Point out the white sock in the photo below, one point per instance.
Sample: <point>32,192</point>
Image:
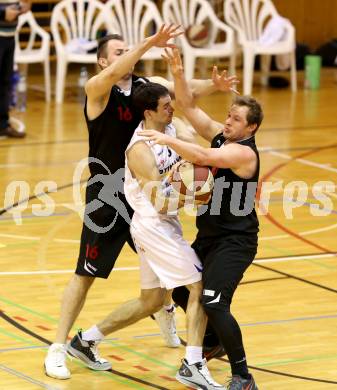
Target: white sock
<point>93,334</point>
<point>193,355</point>
<point>169,308</point>
<point>58,345</point>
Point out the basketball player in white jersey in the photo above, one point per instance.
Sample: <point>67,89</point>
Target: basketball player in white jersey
<point>166,259</point>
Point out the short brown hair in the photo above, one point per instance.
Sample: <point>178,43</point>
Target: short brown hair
<point>255,113</point>
<point>102,43</point>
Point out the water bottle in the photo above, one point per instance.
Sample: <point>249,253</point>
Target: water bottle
<point>21,94</point>
<point>83,78</point>
<point>14,82</point>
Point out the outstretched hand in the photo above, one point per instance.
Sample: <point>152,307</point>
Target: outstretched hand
<point>224,83</point>
<point>156,136</point>
<point>165,33</point>
<point>173,60</point>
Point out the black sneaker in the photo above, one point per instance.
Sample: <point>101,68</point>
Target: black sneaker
<point>213,352</point>
<point>87,352</point>
<point>239,383</point>
<point>197,376</point>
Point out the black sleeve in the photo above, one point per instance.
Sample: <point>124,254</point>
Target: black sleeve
<point>218,140</point>
<point>2,14</point>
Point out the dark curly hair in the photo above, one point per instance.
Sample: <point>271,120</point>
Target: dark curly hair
<point>147,95</point>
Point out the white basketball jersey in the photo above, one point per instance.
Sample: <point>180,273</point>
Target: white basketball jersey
<point>165,159</point>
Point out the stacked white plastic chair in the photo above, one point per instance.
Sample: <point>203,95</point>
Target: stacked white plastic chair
<point>71,21</point>
<point>30,54</point>
<point>250,19</point>
<point>196,12</point>
<point>134,20</point>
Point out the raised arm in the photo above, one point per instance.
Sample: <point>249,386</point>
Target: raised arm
<point>198,87</point>
<point>100,85</point>
<point>218,82</point>
<point>203,124</point>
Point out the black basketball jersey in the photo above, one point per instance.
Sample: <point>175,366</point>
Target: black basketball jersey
<point>111,132</point>
<point>231,208</point>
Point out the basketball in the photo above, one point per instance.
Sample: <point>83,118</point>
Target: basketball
<point>193,180</point>
<point>197,35</point>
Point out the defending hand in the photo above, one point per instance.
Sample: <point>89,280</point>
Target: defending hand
<point>173,60</point>
<point>224,83</point>
<point>165,33</point>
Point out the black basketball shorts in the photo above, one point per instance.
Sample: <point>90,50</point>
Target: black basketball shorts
<point>104,233</point>
<point>224,260</point>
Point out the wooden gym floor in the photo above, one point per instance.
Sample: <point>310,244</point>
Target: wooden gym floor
<point>286,303</point>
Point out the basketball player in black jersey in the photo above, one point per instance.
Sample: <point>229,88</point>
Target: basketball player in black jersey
<point>228,228</point>
<point>111,121</point>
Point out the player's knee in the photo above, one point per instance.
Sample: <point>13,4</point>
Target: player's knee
<point>213,306</point>
<point>82,282</point>
<point>151,307</point>
<point>152,302</point>
<point>195,290</point>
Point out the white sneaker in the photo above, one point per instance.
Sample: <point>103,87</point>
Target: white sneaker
<point>197,376</point>
<point>55,362</point>
<point>167,324</point>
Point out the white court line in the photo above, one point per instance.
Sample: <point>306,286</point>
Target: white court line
<point>29,238</point>
<point>268,260</point>
<point>63,271</point>
<point>273,237</point>
<point>267,238</point>
<point>281,236</point>
<point>13,165</point>
<point>34,238</point>
<point>279,154</point>
<point>324,229</point>
<point>66,240</point>
<point>291,258</point>
<point>326,167</point>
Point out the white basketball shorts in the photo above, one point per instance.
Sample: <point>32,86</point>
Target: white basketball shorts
<point>166,259</point>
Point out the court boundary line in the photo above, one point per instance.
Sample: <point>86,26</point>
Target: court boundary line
<point>307,378</point>
<point>279,225</point>
<point>117,269</point>
<point>48,342</point>
<point>80,140</point>
<point>27,378</point>
<point>137,380</point>
<point>269,215</point>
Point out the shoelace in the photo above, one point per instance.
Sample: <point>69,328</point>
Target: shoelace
<point>94,349</point>
<point>206,374</point>
<point>170,322</point>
